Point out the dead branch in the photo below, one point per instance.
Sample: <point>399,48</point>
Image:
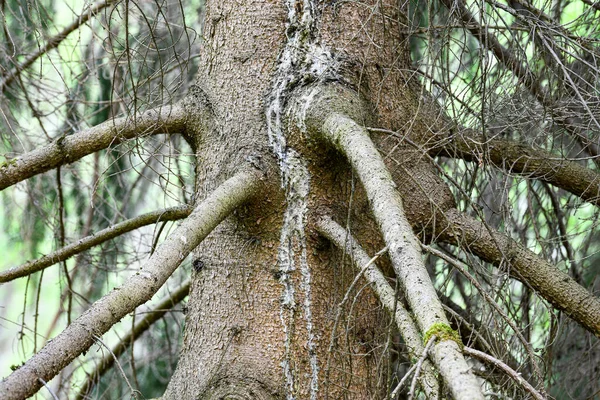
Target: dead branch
<point>67,149</point>
<point>142,326</point>
<point>332,112</point>
<point>554,285</point>
<point>522,159</point>
<point>508,370</point>
<point>404,321</point>
<point>62,254</point>
<point>53,42</point>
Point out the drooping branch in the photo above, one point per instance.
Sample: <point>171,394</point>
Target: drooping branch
<point>67,149</point>
<point>331,112</point>
<point>139,288</point>
<point>554,285</point>
<point>404,321</point>
<point>169,214</point>
<point>142,326</point>
<point>522,159</point>
<point>53,42</point>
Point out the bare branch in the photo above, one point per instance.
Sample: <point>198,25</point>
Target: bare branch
<point>517,158</point>
<point>554,285</point>
<point>332,112</point>
<point>505,56</point>
<point>493,304</point>
<point>142,326</point>
<point>53,42</point>
<point>134,393</point>
<point>169,214</point>
<point>67,149</point>
<point>139,288</point>
<point>420,365</point>
<point>508,370</point>
<point>404,321</point>
<point>54,396</point>
<point>522,159</point>
<point>595,5</point>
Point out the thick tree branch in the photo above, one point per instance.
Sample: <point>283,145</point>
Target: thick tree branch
<point>67,149</point>
<point>169,214</point>
<point>522,159</point>
<point>139,288</point>
<point>517,158</point>
<point>331,112</point>
<point>404,321</point>
<point>53,42</point>
<point>142,326</point>
<point>557,287</point>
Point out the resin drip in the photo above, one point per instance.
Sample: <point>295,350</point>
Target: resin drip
<point>301,62</point>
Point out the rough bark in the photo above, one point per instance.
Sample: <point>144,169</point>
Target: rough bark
<point>240,327</point>
<point>264,287</point>
<point>328,114</point>
<point>403,319</point>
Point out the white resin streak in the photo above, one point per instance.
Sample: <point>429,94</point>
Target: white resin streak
<point>301,62</point>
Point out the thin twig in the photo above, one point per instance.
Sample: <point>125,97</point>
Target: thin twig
<point>83,244</point>
<point>419,365</point>
<point>54,396</point>
<point>417,368</point>
<point>134,392</point>
<point>492,303</point>
<point>53,42</point>
<point>508,370</point>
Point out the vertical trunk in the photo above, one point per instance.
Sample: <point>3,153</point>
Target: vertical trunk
<point>247,334</point>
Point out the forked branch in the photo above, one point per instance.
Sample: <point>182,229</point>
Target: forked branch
<point>138,289</point>
<point>67,149</point>
<point>332,112</point>
<point>169,214</point>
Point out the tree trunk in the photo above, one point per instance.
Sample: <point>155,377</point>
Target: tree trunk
<point>243,338</point>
